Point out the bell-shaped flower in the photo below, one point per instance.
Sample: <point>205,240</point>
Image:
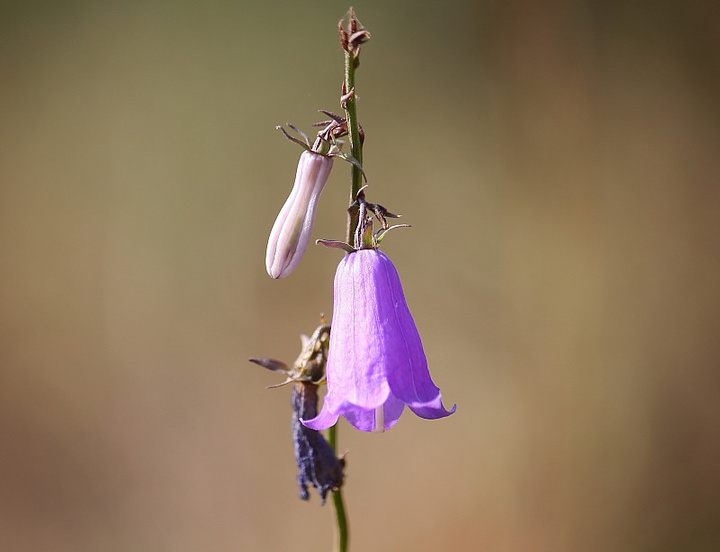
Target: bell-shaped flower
<point>376,363</point>
<point>292,230</point>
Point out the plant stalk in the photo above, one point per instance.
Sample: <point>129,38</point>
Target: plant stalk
<point>353,128</point>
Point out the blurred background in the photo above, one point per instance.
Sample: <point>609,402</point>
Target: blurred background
<point>559,164</point>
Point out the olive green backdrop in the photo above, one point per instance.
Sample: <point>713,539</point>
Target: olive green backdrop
<point>559,164</point>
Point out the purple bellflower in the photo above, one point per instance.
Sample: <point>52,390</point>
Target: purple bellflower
<point>376,363</point>
<point>292,230</point>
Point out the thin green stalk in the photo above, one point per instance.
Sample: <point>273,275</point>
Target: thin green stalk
<point>332,437</point>
<point>342,533</point>
<point>353,127</point>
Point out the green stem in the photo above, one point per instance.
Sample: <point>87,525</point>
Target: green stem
<point>342,534</point>
<point>351,63</point>
<point>332,437</point>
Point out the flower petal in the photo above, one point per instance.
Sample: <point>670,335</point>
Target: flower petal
<point>368,419</point>
<point>327,418</point>
<point>410,379</point>
<point>356,367</point>
<point>431,410</point>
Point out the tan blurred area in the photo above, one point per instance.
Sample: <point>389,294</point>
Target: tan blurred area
<point>559,165</point>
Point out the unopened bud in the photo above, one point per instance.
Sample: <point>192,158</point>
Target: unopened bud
<point>292,230</point>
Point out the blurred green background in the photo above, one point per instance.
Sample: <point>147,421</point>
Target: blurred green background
<point>559,164</point>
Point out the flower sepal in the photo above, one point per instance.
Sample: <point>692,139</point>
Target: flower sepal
<point>365,237</point>
<point>336,244</point>
<point>310,364</point>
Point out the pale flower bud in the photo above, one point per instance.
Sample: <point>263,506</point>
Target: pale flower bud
<point>292,230</point>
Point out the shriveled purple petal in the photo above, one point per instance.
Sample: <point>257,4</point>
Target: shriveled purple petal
<point>376,362</point>
<point>292,230</point>
<point>318,466</point>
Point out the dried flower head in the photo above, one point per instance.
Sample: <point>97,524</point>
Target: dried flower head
<point>318,466</point>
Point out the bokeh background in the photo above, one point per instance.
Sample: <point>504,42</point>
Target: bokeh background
<point>559,164</point>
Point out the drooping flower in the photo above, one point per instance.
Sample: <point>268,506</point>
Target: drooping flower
<point>292,230</point>
<point>376,362</point>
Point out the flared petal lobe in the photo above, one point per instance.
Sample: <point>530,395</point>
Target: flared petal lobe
<point>292,230</point>
<point>376,362</point>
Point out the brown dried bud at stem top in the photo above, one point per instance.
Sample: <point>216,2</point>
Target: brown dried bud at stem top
<point>352,33</point>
